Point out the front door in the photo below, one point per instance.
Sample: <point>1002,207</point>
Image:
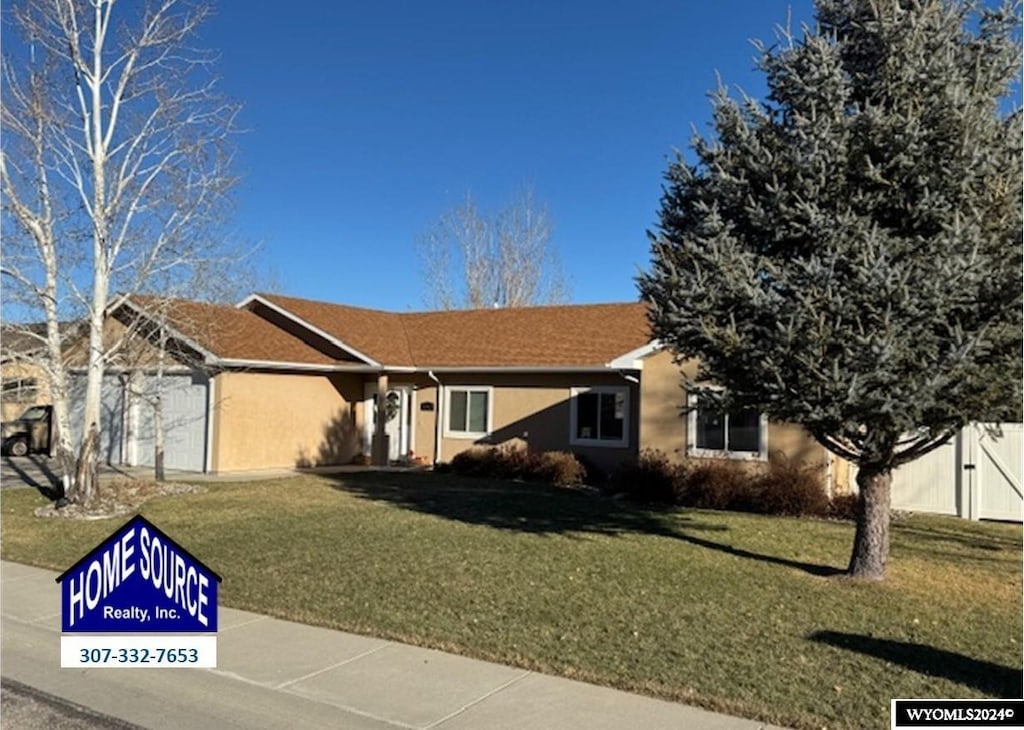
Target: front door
<point>397,408</point>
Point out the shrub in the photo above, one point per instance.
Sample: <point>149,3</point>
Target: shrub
<point>553,467</point>
<point>650,478</point>
<point>594,475</point>
<point>723,485</point>
<point>787,489</point>
<point>559,468</point>
<point>843,507</point>
<point>476,462</point>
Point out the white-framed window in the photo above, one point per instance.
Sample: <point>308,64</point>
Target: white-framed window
<point>741,434</point>
<point>468,410</point>
<point>599,416</point>
<point>20,390</point>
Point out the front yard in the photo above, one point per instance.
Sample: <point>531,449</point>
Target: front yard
<point>737,613</point>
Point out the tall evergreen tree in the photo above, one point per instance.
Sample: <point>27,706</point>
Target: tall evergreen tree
<point>846,254</point>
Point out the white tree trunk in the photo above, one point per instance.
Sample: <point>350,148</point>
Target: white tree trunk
<point>116,157</point>
<point>158,411</point>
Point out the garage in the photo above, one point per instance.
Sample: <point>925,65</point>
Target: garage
<point>112,404</point>
<point>185,418</point>
<point>127,418</point>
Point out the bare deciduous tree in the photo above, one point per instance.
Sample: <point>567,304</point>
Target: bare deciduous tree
<point>473,260</point>
<point>114,168</point>
<point>147,349</point>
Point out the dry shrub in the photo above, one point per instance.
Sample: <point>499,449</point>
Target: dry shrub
<point>552,467</point>
<point>650,478</point>
<point>475,462</point>
<point>787,489</point>
<point>593,474</point>
<point>781,489</point>
<point>723,485</point>
<point>559,468</point>
<point>843,507</point>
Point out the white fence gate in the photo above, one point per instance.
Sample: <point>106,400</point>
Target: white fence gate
<point>976,475</point>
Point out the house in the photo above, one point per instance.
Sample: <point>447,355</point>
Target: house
<point>282,382</point>
<point>23,378</point>
<point>23,382</point>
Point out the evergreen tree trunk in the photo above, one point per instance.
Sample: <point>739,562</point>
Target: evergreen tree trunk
<point>871,543</point>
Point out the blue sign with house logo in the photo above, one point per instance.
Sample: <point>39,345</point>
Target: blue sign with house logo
<point>138,580</point>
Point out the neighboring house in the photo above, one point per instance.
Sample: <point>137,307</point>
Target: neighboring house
<point>23,379</point>
<point>283,382</point>
<point>22,382</point>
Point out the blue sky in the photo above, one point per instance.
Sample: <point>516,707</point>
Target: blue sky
<point>367,120</point>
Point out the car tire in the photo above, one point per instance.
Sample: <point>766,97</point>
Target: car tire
<point>18,447</point>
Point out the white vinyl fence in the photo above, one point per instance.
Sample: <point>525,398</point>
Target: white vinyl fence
<point>976,475</point>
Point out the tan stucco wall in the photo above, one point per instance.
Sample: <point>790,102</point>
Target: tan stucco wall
<point>265,420</point>
<point>662,422</point>
<point>531,407</point>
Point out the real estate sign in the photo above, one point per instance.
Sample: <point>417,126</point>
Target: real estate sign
<point>143,586</point>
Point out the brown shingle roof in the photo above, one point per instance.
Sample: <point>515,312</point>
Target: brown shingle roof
<point>376,334</point>
<point>549,336</point>
<point>232,333</point>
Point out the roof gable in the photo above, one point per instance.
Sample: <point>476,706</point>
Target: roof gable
<point>230,333</point>
<point>354,330</point>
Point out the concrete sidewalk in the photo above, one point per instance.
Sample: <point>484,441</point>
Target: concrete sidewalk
<point>279,674</point>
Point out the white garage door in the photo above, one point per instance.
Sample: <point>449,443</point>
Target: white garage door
<point>184,398</point>
<point>111,415</point>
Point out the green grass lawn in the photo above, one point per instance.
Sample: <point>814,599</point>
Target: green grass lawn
<point>738,613</point>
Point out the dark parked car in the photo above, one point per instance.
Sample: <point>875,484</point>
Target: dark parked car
<point>29,434</point>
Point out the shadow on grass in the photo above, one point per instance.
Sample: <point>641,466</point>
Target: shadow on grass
<point>541,509</point>
<point>967,537</point>
<point>987,677</point>
<point>51,488</point>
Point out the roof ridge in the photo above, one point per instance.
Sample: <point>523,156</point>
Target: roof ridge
<point>531,307</point>
<point>321,302</point>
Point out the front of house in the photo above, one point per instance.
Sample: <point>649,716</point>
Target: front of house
<point>280,382</point>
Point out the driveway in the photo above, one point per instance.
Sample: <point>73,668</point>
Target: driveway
<point>38,471</point>
<point>43,473</point>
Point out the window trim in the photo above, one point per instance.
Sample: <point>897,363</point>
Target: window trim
<point>691,438</point>
<point>23,389</point>
<point>622,443</point>
<point>475,435</point>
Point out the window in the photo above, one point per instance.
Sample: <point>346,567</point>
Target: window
<point>469,412</point>
<point>599,416</point>
<point>737,434</point>
<point>23,390</point>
